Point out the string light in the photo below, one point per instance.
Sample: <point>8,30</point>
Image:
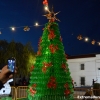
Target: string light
<point>99,43</point>
<point>13,28</point>
<point>46,8</point>
<point>25,28</point>
<point>36,24</point>
<point>86,39</point>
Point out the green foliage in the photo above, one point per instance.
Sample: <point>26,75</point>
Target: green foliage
<point>3,50</point>
<point>24,54</point>
<point>28,58</point>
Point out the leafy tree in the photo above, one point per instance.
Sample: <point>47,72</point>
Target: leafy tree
<point>24,55</point>
<point>28,59</point>
<point>11,51</point>
<point>3,50</point>
<point>31,56</point>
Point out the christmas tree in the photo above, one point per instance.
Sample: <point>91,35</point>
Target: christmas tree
<point>50,77</point>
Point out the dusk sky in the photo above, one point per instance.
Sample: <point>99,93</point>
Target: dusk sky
<point>76,16</point>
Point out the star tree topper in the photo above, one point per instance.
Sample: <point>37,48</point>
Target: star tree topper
<point>51,15</point>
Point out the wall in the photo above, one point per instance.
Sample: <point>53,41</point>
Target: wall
<point>90,72</point>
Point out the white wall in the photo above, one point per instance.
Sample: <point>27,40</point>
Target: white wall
<point>91,69</point>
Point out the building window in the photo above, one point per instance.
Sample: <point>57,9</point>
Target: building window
<point>82,80</point>
<point>98,68</point>
<point>82,66</point>
<point>98,71</point>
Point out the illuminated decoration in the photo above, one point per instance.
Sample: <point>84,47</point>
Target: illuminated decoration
<point>45,2</point>
<point>13,28</point>
<point>67,92</point>
<point>46,8</point>
<point>38,53</point>
<point>64,67</point>
<point>51,15</point>
<point>51,35</point>
<point>36,24</point>
<point>93,42</point>
<point>32,67</point>
<point>26,28</point>
<point>86,39</point>
<point>66,85</point>
<point>79,37</point>
<point>52,82</point>
<point>53,48</point>
<point>51,70</point>
<point>32,90</point>
<point>46,65</point>
<point>99,43</point>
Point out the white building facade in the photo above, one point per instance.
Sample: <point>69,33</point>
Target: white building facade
<point>84,69</point>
